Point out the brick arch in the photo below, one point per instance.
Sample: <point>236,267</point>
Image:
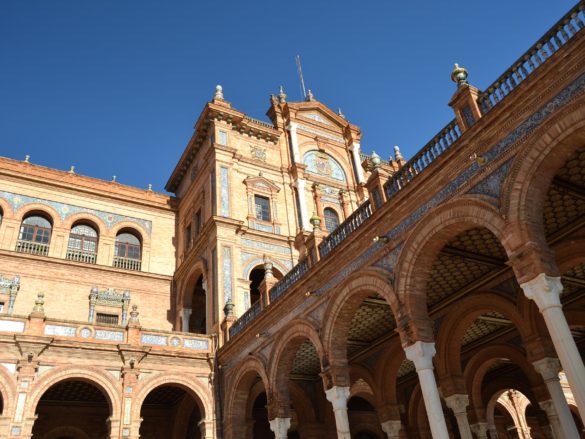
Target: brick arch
<point>25,209</point>
<point>534,168</point>
<point>8,391</point>
<point>424,244</point>
<point>304,406</point>
<point>237,394</point>
<point>342,307</point>
<point>283,353</point>
<point>458,320</point>
<point>368,391</point>
<point>258,262</point>
<point>109,386</point>
<point>570,253</point>
<point>387,373</point>
<point>135,227</point>
<point>199,268</point>
<point>66,431</point>
<point>7,211</point>
<point>478,365</point>
<point>189,383</point>
<point>94,220</point>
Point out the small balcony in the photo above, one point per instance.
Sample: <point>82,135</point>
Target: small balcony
<point>127,263</point>
<point>81,256</point>
<point>32,248</point>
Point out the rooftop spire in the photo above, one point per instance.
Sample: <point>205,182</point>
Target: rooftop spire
<point>282,95</point>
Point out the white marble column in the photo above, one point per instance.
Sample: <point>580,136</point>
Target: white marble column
<point>279,427</point>
<point>300,185</point>
<point>338,397</point>
<point>294,142</point>
<point>421,354</point>
<point>392,429</point>
<point>185,318</point>
<point>545,291</point>
<point>458,403</point>
<point>355,149</point>
<point>480,430</point>
<point>557,409</point>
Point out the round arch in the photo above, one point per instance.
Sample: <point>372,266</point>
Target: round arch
<point>7,210</point>
<point>428,238</point>
<point>82,217</point>
<point>8,391</point>
<point>67,431</point>
<point>387,374</point>
<point>258,262</point>
<point>188,383</point>
<point>284,351</point>
<point>40,208</point>
<point>461,316</point>
<point>342,307</point>
<point>130,226</point>
<point>199,268</point>
<point>91,375</point>
<point>310,149</point>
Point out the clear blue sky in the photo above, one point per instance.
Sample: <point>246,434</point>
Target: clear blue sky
<point>115,86</point>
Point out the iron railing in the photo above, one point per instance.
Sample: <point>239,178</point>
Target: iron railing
<point>245,318</point>
<point>289,279</point>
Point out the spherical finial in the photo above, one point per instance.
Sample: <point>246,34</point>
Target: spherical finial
<point>376,160</point>
<point>315,220</point>
<point>218,92</point>
<point>228,309</point>
<point>282,95</point>
<point>459,75</point>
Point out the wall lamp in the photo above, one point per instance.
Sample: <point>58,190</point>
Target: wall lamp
<point>381,238</point>
<point>263,334</point>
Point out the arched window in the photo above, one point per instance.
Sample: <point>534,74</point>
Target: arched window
<point>128,251</point>
<point>82,247</point>
<point>331,219</point>
<point>35,235</point>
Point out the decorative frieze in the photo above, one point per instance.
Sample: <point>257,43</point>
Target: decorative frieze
<point>9,288</point>
<point>108,298</point>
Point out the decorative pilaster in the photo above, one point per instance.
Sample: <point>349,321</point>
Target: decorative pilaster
<point>545,291</point>
<point>300,185</point>
<point>294,142</point>
<point>392,428</point>
<point>421,354</point>
<point>355,152</point>
<point>459,403</point>
<point>338,397</point>
<point>279,427</point>
<point>557,410</point>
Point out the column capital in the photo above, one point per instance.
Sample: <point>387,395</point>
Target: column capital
<point>421,354</point>
<point>338,396</point>
<point>355,147</point>
<point>279,427</point>
<point>458,403</point>
<point>392,428</point>
<point>480,430</point>
<point>549,407</point>
<point>292,126</point>
<point>549,368</point>
<point>545,290</point>
<point>299,184</point>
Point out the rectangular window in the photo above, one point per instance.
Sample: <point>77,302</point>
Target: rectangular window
<point>223,140</point>
<point>262,206</point>
<point>110,319</point>
<point>188,237</point>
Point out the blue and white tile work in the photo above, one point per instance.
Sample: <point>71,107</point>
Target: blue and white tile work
<point>65,210</point>
<point>224,191</point>
<point>227,273</point>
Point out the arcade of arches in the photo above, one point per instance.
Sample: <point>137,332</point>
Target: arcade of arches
<point>472,327</point>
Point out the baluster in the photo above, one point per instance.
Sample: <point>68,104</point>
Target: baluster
<point>571,27</point>
<point>564,34</point>
<point>578,22</point>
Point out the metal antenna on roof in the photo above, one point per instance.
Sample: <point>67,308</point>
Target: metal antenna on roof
<point>300,72</point>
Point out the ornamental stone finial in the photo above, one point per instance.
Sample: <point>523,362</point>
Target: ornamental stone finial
<point>339,113</point>
<point>397,153</point>
<point>315,220</point>
<point>218,92</point>
<point>282,95</point>
<point>134,314</point>
<point>376,160</point>
<point>310,96</point>
<point>228,309</point>
<point>72,169</point>
<point>40,303</point>
<point>459,75</point>
<point>27,158</point>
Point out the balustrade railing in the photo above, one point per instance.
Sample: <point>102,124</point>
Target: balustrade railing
<point>544,48</point>
<point>427,155</point>
<point>345,229</point>
<point>32,248</point>
<point>259,122</point>
<point>245,318</point>
<point>81,256</point>
<point>127,263</point>
<point>290,278</point>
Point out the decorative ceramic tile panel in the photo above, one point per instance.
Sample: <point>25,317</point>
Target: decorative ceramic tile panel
<point>227,273</point>
<point>265,246</point>
<point>62,331</point>
<point>160,340</point>
<point>201,345</point>
<point>320,133</point>
<point>323,164</point>
<point>224,191</point>
<point>101,334</point>
<point>66,210</point>
<point>11,326</point>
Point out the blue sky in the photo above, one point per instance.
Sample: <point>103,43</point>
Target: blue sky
<point>114,87</point>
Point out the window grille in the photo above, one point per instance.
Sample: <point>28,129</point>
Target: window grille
<point>331,219</point>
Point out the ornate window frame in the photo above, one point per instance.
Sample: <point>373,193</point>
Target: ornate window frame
<point>265,188</point>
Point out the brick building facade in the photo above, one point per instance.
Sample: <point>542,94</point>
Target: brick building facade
<point>293,287</point>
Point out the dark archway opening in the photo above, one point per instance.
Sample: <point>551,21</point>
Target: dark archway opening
<point>256,278</point>
<point>75,405</point>
<point>170,412</point>
<point>260,418</point>
<point>198,318</point>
